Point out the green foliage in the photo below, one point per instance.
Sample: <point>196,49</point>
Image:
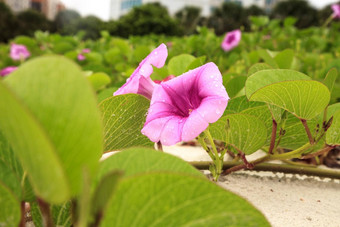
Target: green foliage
<point>124,117</point>
<point>58,125</point>
<point>142,201</point>
<point>244,132</point>
<point>10,214</point>
<point>179,64</point>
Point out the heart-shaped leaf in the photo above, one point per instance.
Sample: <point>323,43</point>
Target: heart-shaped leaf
<point>246,132</point>
<point>124,117</point>
<point>27,137</point>
<point>303,98</point>
<point>264,78</point>
<point>179,64</point>
<point>333,133</point>
<point>148,160</point>
<point>62,101</point>
<point>167,199</point>
<point>285,58</point>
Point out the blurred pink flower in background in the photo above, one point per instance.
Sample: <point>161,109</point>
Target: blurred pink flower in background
<point>86,51</point>
<point>165,79</point>
<point>183,107</point>
<point>7,70</point>
<point>231,40</point>
<point>19,52</point>
<point>140,81</point>
<point>336,11</point>
<point>81,57</point>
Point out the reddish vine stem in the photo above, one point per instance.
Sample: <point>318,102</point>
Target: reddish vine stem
<point>273,137</point>
<point>45,212</point>
<point>159,146</point>
<point>322,151</point>
<point>310,137</point>
<point>23,214</point>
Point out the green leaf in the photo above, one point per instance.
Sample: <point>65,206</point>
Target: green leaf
<point>103,192</point>
<point>99,80</point>
<point>139,160</point>
<point>258,67</point>
<point>235,85</point>
<point>10,207</point>
<point>124,117</point>
<point>196,63</point>
<point>285,58</point>
<point>164,199</point>
<point>178,64</point>
<point>246,132</point>
<point>259,20</point>
<point>264,78</point>
<point>27,137</point>
<point>265,55</point>
<point>333,133</point>
<point>303,98</point>
<point>239,104</point>
<point>56,92</point>
<point>9,179</point>
<point>61,214</point>
<point>331,78</point>
<point>106,93</point>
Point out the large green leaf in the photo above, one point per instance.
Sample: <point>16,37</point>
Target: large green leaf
<point>264,78</point>
<point>138,160</point>
<point>235,85</point>
<point>239,104</point>
<point>59,96</point>
<point>331,78</point>
<point>285,59</point>
<point>246,132</point>
<point>303,98</point>
<point>167,199</point>
<point>124,117</point>
<point>258,67</point>
<point>10,208</point>
<point>333,133</point>
<point>27,137</point>
<point>179,64</point>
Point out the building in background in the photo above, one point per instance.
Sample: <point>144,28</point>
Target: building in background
<point>121,7</point>
<point>49,8</point>
<point>18,5</point>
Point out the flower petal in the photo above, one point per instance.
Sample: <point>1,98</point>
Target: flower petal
<point>140,82</point>
<point>194,125</point>
<point>172,131</point>
<point>212,108</point>
<point>154,128</point>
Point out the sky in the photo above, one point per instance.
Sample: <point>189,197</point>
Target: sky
<point>101,8</point>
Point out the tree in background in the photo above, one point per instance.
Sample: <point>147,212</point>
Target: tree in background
<point>189,17</point>
<point>151,18</point>
<point>64,18</point>
<point>31,20</point>
<point>307,15</point>
<point>8,23</point>
<point>90,25</point>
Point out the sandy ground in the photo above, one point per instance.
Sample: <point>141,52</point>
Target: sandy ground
<point>287,200</point>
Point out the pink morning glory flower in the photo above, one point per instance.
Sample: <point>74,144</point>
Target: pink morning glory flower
<point>231,40</point>
<point>7,70</point>
<point>140,81</point>
<point>19,52</point>
<point>86,51</point>
<point>183,107</point>
<point>81,57</point>
<point>336,10</point>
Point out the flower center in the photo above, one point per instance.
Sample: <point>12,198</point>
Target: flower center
<point>231,38</point>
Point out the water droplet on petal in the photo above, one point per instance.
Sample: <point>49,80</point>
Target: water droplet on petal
<point>181,120</point>
<point>218,111</point>
<point>156,52</point>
